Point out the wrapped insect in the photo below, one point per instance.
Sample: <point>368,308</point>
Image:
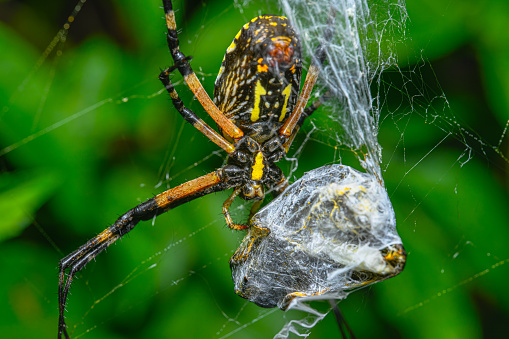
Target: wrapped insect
<point>330,232</point>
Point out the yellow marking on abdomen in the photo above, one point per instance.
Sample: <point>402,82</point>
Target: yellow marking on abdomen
<point>286,93</point>
<point>232,46</point>
<point>258,167</point>
<point>279,38</point>
<point>259,91</point>
<point>238,34</point>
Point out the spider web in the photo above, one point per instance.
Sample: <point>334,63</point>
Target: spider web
<point>87,132</point>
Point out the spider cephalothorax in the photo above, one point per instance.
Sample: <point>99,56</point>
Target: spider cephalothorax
<point>252,166</point>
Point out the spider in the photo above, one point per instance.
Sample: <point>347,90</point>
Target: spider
<point>258,110</point>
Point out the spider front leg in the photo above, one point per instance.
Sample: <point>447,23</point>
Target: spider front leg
<point>182,64</point>
<point>306,114</point>
<point>226,211</point>
<point>190,116</point>
<point>77,260</point>
<point>287,130</point>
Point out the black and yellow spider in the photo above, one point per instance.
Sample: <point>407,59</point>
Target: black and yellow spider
<point>258,109</point>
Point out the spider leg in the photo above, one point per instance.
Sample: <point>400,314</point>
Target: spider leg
<point>226,211</point>
<point>190,77</point>
<point>307,112</point>
<point>77,260</point>
<point>191,117</point>
<point>287,129</point>
<point>341,321</point>
<point>254,208</point>
<point>314,70</point>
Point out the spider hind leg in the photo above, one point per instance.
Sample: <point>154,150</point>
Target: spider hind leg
<point>77,260</point>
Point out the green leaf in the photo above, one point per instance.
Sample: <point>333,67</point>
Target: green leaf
<point>21,197</point>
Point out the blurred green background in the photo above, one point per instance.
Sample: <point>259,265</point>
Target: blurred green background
<point>86,133</point>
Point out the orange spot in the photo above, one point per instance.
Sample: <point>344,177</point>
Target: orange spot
<point>263,68</point>
<point>281,50</point>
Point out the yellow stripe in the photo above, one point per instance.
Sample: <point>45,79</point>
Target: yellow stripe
<point>286,93</point>
<point>259,91</point>
<point>285,38</point>
<point>258,167</point>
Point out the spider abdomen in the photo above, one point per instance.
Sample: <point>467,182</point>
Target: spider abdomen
<point>259,79</point>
